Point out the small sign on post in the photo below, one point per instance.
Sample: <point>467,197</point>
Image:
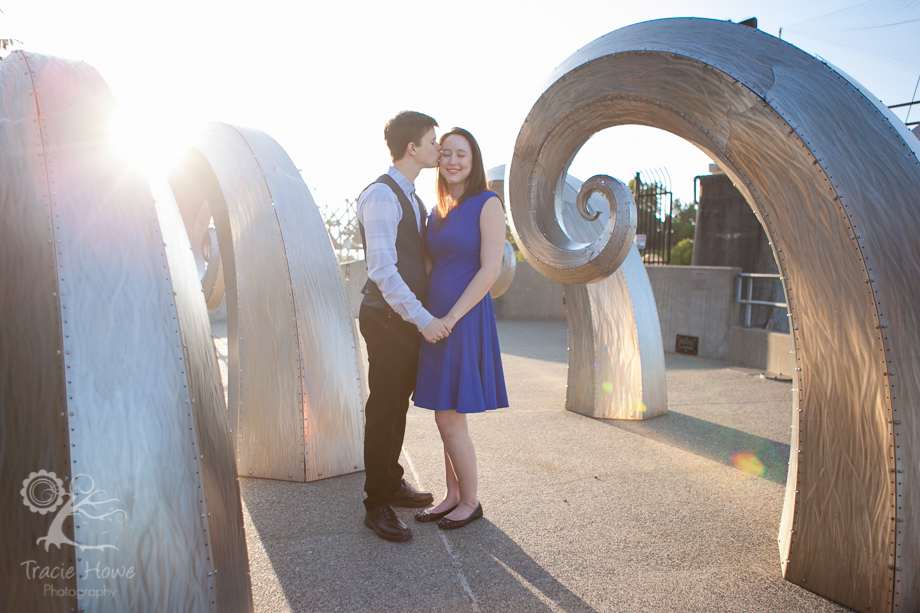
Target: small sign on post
<point>640,241</point>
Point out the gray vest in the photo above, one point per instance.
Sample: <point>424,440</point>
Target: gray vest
<point>410,250</point>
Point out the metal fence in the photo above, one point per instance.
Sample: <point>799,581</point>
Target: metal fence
<point>655,206</point>
<point>342,225</point>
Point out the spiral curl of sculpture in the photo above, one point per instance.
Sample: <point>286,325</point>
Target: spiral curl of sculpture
<point>538,177</point>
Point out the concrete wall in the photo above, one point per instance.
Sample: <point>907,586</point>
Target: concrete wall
<point>531,296</point>
<point>691,300</point>
<point>354,275</point>
<point>763,349</point>
<point>728,233</point>
<point>695,301</point>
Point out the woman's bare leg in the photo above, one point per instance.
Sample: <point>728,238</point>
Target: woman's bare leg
<point>453,488</point>
<point>461,455</point>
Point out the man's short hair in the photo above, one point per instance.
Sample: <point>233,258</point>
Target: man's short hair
<point>407,127</point>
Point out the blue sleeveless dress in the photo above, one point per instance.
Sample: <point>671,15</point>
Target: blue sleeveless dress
<point>462,372</point>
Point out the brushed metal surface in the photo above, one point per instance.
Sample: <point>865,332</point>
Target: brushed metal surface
<point>219,491</point>
<point>616,357</point>
<point>212,277</point>
<point>566,212</point>
<point>33,388</point>
<point>203,239</point>
<point>537,179</point>
<point>571,220</point>
<point>135,492</point>
<point>495,181</point>
<point>197,221</point>
<point>333,408</point>
<point>295,386</point>
<point>506,274</point>
<point>833,177</point>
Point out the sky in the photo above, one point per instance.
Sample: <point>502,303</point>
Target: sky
<point>322,78</point>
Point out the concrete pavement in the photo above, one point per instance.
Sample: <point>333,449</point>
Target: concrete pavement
<point>580,514</point>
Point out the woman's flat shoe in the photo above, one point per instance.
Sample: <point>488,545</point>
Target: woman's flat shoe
<point>453,524</point>
<point>426,516</point>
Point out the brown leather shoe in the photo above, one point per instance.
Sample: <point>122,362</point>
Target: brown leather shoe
<point>383,521</point>
<point>408,496</point>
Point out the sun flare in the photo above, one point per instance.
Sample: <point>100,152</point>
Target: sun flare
<point>151,144</point>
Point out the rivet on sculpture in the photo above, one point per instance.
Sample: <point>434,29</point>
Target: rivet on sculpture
<point>294,401</point>
<point>113,433</point>
<point>833,177</point>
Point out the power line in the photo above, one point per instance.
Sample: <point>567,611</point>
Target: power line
<point>913,98</point>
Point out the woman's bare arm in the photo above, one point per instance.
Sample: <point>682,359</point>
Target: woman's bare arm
<point>491,250</point>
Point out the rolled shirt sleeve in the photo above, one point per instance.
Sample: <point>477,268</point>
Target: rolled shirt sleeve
<point>380,213</point>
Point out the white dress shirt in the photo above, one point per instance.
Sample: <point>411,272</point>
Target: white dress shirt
<point>379,212</point>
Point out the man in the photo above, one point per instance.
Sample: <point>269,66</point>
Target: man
<point>393,317</point>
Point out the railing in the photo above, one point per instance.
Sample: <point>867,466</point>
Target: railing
<point>748,301</point>
<point>910,104</point>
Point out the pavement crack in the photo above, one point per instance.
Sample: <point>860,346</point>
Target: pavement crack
<point>454,558</point>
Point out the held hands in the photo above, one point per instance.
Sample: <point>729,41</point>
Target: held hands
<point>436,330</point>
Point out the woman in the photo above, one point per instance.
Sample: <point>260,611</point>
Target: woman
<point>463,373</point>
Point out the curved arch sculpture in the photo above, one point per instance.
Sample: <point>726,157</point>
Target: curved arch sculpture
<point>833,177</point>
<point>295,400</point>
<point>113,427</point>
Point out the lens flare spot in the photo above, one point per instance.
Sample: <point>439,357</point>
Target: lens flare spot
<point>636,406</point>
<point>607,386</point>
<point>748,463</point>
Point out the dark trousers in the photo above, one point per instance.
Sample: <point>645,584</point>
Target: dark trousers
<point>392,352</point>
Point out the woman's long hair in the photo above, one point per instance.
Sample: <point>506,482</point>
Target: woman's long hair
<point>475,183</point>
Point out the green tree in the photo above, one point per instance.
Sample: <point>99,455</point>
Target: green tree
<point>683,222</point>
<point>682,252</point>
<point>683,226</point>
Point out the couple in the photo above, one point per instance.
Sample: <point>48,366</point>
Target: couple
<point>431,332</point>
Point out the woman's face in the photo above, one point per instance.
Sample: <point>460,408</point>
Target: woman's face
<point>456,159</point>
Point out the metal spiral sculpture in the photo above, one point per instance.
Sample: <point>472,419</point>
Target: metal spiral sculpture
<point>833,177</point>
